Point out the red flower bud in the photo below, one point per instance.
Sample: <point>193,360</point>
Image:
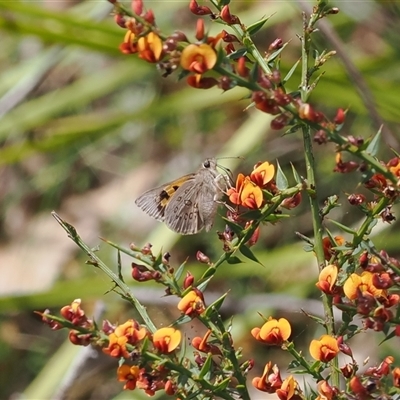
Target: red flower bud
<point>227,17</point>
<point>228,38</point>
<point>340,117</point>
<point>200,29</point>
<point>198,10</point>
<point>202,258</point>
<point>137,6</point>
<point>225,83</point>
<point>120,20</point>
<point>241,68</point>
<point>279,122</point>
<point>275,45</point>
<point>356,199</point>
<point>320,137</point>
<point>189,279</point>
<point>149,17</point>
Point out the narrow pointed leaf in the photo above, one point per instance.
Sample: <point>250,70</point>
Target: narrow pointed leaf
<point>249,254</point>
<point>281,180</point>
<point>215,306</point>
<point>234,260</point>
<point>254,28</point>
<point>343,227</point>
<point>296,175</point>
<point>206,367</point>
<point>290,73</point>
<point>373,145</point>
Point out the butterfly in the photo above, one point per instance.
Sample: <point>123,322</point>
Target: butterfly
<point>189,203</point>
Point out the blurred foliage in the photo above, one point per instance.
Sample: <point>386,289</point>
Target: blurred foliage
<point>78,116</point>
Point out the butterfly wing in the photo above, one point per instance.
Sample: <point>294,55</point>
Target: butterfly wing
<point>182,212</point>
<point>154,201</point>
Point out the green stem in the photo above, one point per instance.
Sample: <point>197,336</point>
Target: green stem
<point>308,27</point>
<point>72,234</point>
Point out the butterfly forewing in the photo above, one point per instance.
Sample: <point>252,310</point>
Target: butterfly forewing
<point>154,201</point>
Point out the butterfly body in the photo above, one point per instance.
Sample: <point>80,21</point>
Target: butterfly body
<point>187,204</point>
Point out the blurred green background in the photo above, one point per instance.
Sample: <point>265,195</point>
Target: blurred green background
<point>84,130</point>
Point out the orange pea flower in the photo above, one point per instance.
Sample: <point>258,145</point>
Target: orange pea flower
<point>234,193</point>
<point>192,303</point>
<point>396,377</point>
<point>247,191</point>
<point>274,332</point>
<point>325,391</point>
<point>382,369</point>
<point>251,195</point>
<point>167,340</point>
<point>327,245</point>
<point>74,313</point>
<point>129,374</point>
<point>198,58</point>
<point>324,349</point>
<point>129,45</point>
<point>358,388</point>
<point>327,279</point>
<point>201,344</point>
<point>361,284</point>
<point>394,166</point>
<point>262,173</point>
<point>287,389</point>
<point>117,346</point>
<point>132,330</point>
<point>150,47</point>
<point>270,380</point>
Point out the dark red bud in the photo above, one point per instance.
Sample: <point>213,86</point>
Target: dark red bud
<point>340,117</point>
<point>198,10</point>
<point>149,17</point>
<point>241,68</point>
<point>120,20</point>
<point>199,29</point>
<point>137,6</point>
<point>227,17</point>
<point>320,137</point>
<point>281,98</point>
<point>179,36</point>
<point>356,199</point>
<point>279,122</point>
<point>364,259</point>
<point>202,258</point>
<point>228,37</point>
<point>275,45</point>
<point>188,281</point>
<point>225,83</point>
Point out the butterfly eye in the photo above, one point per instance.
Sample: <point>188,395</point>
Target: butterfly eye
<point>207,164</point>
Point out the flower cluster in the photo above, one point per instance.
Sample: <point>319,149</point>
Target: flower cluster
<point>205,65</point>
<point>367,292</point>
<point>75,318</point>
<point>142,352</point>
<point>248,189</point>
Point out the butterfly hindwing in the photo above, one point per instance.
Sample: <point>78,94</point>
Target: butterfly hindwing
<point>182,212</point>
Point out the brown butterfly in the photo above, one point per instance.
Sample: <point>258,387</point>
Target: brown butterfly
<point>189,203</point>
